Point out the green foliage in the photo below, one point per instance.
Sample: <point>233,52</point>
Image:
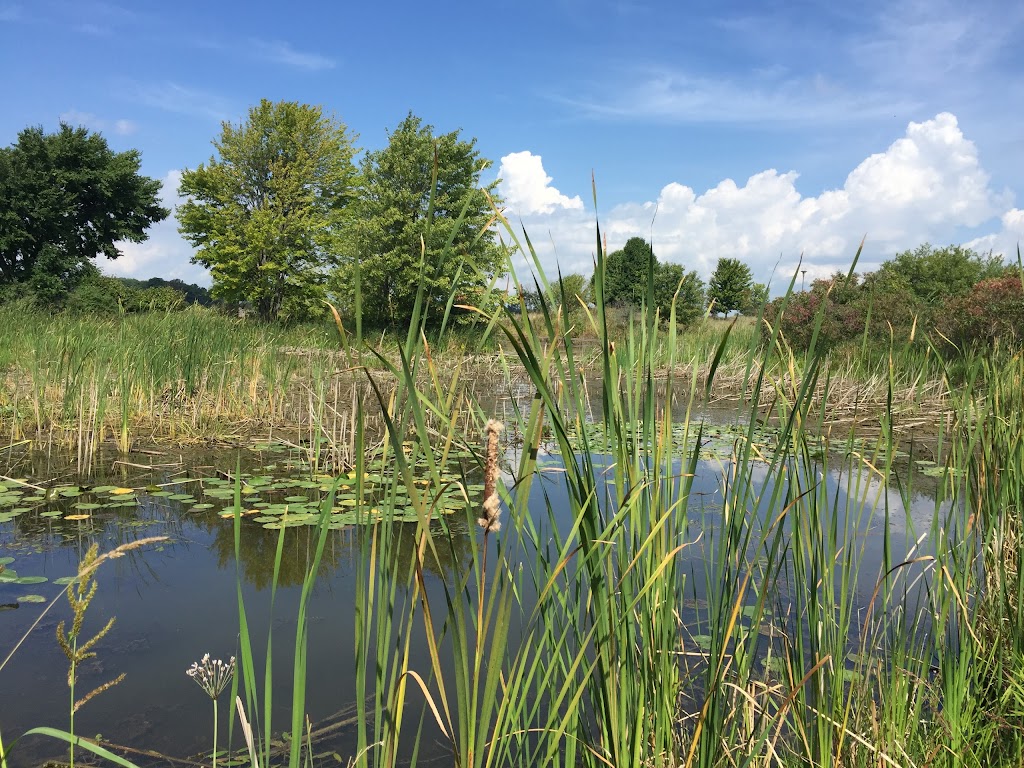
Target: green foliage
<point>625,278</point>
<point>935,274</point>
<point>689,302</point>
<point>850,308</point>
<point>267,213</point>
<point>625,282</point>
<point>101,295</point>
<point>66,198</point>
<point>757,299</point>
<point>190,292</point>
<point>993,310</point>
<point>406,217</point>
<point>969,299</point>
<point>573,287</point>
<point>730,286</point>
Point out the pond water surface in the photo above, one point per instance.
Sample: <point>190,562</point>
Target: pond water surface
<point>176,601</point>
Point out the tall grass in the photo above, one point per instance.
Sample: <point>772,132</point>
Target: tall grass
<point>799,615</point>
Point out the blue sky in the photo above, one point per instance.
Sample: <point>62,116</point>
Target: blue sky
<point>752,130</point>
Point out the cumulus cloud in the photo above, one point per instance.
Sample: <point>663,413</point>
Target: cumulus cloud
<point>164,254</point>
<point>1007,241</point>
<point>923,187</point>
<point>527,188</point>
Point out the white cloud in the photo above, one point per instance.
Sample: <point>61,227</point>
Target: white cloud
<point>923,187</point>
<point>282,53</point>
<point>527,188</point>
<point>1005,242</point>
<point>768,97</point>
<point>165,254</point>
<point>93,122</point>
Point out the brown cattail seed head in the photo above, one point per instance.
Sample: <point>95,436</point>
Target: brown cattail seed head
<point>490,521</point>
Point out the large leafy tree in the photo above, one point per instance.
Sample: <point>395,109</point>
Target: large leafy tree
<point>625,272</point>
<point>573,287</point>
<point>66,198</point>
<point>266,214</point>
<point>936,274</point>
<point>756,300</point>
<point>730,286</point>
<point>409,230</point>
<point>672,283</point>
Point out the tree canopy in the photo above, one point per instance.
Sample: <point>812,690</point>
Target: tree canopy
<point>403,219</point>
<point>935,274</point>
<point>66,198</point>
<point>730,286</point>
<point>625,282</point>
<point>267,213</point>
<point>689,301</point>
<point>625,272</point>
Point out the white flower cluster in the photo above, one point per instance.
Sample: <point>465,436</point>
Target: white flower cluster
<point>212,675</point>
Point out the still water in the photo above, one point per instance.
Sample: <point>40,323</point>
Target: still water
<point>176,601</point>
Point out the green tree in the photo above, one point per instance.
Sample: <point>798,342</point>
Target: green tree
<point>403,219</point>
<point>625,272</point>
<point>756,300</point>
<point>267,213</point>
<point>936,274</point>
<point>730,286</point>
<point>689,302</point>
<point>66,198</point>
<point>573,286</point>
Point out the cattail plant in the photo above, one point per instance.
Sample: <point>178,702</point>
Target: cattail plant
<point>490,520</point>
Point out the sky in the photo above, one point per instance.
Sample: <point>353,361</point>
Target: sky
<point>765,131</point>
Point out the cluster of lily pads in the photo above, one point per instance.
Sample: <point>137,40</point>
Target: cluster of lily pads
<point>288,492</point>
<point>19,498</point>
<point>718,442</point>
<point>10,576</point>
<point>276,502</point>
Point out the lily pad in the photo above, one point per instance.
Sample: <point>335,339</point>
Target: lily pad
<point>30,580</point>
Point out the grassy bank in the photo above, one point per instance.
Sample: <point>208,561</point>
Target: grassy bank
<point>198,375</point>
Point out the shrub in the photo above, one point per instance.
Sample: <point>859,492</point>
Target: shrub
<point>993,310</point>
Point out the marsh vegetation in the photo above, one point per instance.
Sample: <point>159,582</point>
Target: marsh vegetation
<point>569,534</point>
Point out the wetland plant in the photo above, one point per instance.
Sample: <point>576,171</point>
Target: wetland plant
<point>212,675</point>
<point>77,650</point>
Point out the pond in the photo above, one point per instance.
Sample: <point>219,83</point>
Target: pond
<point>176,601</point>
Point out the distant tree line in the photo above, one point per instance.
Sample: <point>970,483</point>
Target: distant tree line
<point>286,220</point>
<point>968,298</point>
<point>625,285</point>
<point>281,215</point>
